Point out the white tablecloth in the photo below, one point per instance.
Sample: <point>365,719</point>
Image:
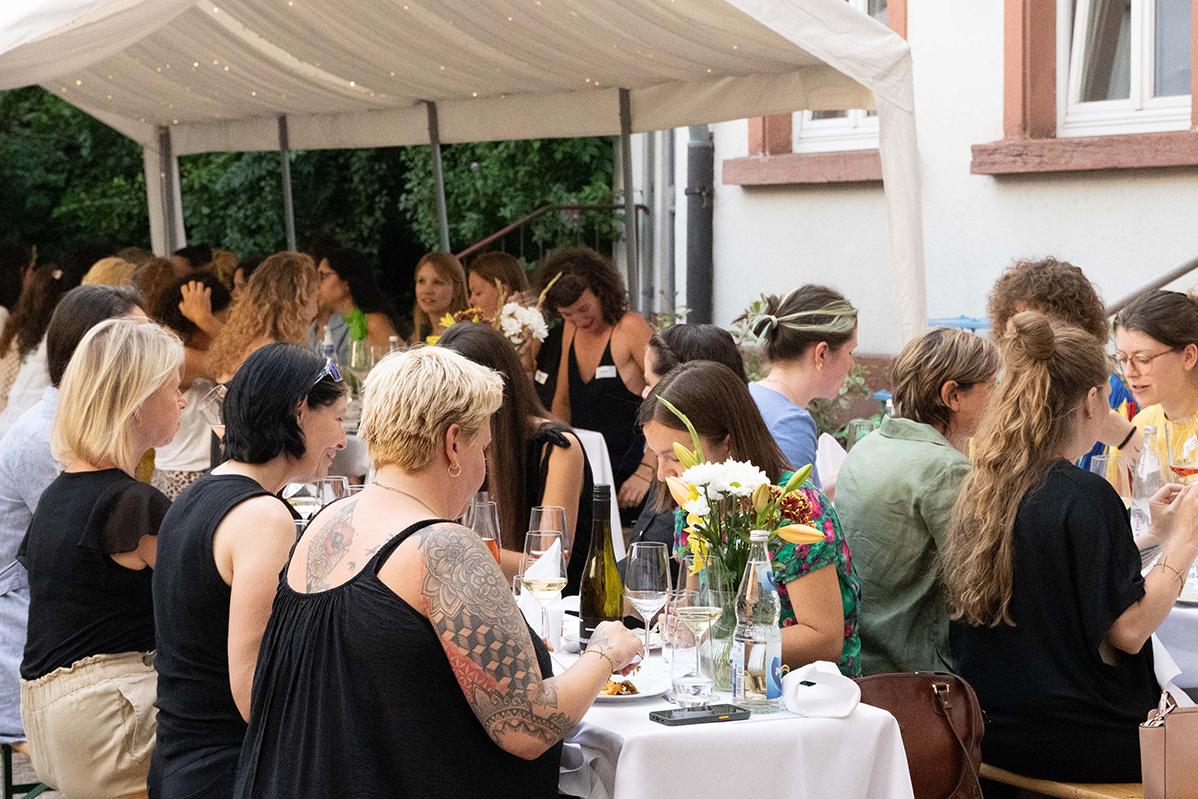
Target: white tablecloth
<point>1179,634</point>
<point>596,449</point>
<point>617,753</point>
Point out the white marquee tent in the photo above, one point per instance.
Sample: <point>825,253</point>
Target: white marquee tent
<point>181,77</point>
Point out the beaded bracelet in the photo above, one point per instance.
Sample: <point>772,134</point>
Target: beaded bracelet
<point>603,655</point>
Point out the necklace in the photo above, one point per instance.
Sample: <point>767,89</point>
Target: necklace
<point>406,494</point>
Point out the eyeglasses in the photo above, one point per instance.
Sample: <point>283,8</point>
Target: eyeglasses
<point>1143,363</point>
<point>330,370</point>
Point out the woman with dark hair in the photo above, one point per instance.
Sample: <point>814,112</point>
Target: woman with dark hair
<point>491,273</point>
<point>679,344</point>
<point>1052,615</point>
<point>819,605</point>
<point>27,467</point>
<point>603,361</point>
<point>223,544</point>
<point>809,336</point>
<point>23,337</point>
<point>669,348</point>
<point>440,290</point>
<point>87,675</point>
<point>533,459</point>
<point>192,306</point>
<point>351,303</point>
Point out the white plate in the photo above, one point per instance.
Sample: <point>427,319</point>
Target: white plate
<point>1190,600</point>
<point>650,685</point>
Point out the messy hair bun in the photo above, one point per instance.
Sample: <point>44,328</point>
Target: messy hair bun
<point>803,318</point>
<point>1030,336</point>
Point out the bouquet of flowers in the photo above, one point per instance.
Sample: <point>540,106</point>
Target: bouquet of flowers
<point>724,501</point>
<point>520,324</point>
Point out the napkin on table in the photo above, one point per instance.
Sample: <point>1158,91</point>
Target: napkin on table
<point>819,690</point>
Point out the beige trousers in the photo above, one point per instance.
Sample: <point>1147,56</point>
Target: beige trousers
<point>91,726</point>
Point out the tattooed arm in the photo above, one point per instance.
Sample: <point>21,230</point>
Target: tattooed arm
<point>469,603</point>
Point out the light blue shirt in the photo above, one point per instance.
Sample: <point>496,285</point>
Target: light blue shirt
<point>791,426</point>
<point>26,468</point>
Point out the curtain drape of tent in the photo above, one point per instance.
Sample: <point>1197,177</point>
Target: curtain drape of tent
<point>355,73</point>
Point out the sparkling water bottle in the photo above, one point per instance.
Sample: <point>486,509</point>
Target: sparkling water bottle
<point>757,641</point>
<point>1149,480</point>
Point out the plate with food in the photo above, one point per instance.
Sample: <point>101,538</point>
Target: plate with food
<point>633,688</point>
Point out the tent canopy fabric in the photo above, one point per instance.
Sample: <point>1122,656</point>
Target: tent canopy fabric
<point>357,73</point>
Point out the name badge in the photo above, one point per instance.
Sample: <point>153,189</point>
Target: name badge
<point>605,372</point>
<point>541,377</point>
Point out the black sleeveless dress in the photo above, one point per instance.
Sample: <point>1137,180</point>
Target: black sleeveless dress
<point>605,405</point>
<point>354,696</point>
<point>538,470</point>
<point>200,729</point>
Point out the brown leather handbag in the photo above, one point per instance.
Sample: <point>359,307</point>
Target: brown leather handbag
<point>941,725</point>
<point>1169,752</point>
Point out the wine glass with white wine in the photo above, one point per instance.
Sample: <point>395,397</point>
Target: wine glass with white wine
<point>698,604</point>
<point>647,581</point>
<point>543,568</point>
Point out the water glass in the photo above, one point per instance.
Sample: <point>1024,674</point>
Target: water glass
<point>300,526</point>
<point>549,518</point>
<point>692,671</point>
<point>858,429</point>
<point>308,498</point>
<point>212,408</point>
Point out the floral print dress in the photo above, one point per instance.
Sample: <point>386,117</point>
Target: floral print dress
<point>792,561</point>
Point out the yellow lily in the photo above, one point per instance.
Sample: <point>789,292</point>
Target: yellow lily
<point>682,491</point>
<point>800,534</point>
<point>698,548</point>
<point>685,456</point>
<point>761,497</point>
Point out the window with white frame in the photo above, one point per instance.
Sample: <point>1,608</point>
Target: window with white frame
<point>825,131</point>
<point>1123,66</point>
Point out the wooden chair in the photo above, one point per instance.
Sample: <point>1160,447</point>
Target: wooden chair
<point>1029,787</point>
<point>28,790</point>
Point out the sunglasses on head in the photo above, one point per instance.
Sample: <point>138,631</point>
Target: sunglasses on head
<point>330,370</point>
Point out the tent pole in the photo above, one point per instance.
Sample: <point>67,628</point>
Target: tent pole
<point>700,171</point>
<point>434,139</point>
<point>629,203</point>
<point>288,205</point>
<point>167,175</point>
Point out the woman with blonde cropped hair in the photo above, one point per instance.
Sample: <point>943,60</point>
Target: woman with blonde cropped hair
<point>383,593</point>
<point>278,304</point>
<point>88,683</point>
<point>896,490</point>
<point>440,289</point>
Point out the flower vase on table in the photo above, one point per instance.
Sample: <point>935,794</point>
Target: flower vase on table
<point>722,503</point>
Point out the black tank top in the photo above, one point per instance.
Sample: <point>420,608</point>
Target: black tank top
<point>199,727</point>
<point>353,695</point>
<point>605,405</point>
<point>538,471</point>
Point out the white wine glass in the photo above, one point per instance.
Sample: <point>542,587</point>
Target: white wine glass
<point>550,518</point>
<point>647,581</point>
<point>699,604</point>
<point>543,568</point>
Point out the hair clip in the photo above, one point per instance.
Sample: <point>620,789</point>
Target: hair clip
<point>56,274</point>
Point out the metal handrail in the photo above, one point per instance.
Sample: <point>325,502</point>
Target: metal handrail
<point>1160,282</point>
<point>473,248</point>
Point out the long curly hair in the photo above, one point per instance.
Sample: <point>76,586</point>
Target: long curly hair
<point>273,306</point>
<point>1056,288</point>
<point>1049,368</point>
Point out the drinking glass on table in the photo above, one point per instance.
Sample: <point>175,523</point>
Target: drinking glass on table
<point>543,568</point>
<point>1181,439</point>
<point>212,409</point>
<point>468,516</point>
<point>485,522</point>
<point>689,615</point>
<point>361,361</point>
<point>549,518</point>
<point>647,581</point>
<point>858,429</point>
<point>308,498</point>
<point>1116,470</point>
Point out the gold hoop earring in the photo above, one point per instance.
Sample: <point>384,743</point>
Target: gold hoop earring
<point>458,473</point>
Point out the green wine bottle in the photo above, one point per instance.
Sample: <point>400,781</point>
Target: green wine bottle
<point>601,597</point>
